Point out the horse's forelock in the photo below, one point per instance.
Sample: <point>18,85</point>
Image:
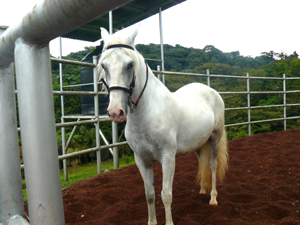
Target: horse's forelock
<point>117,39</point>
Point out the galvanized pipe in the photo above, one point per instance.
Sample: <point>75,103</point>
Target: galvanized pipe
<point>62,120</point>
<point>11,195</point>
<point>284,102</point>
<point>50,19</point>
<point>70,139</point>
<point>217,75</point>
<point>36,110</point>
<point>96,108</point>
<point>77,93</point>
<point>161,46</point>
<point>208,77</point>
<point>249,105</point>
<point>69,155</point>
<point>105,141</point>
<point>114,126</point>
<point>73,62</point>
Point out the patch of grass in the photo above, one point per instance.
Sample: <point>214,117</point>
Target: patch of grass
<point>85,171</point>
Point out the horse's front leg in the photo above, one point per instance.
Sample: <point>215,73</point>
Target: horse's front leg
<point>147,175</point>
<point>168,167</point>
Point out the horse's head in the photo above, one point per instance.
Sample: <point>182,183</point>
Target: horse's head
<point>118,66</point>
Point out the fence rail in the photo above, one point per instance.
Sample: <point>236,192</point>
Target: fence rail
<point>93,119</point>
<point>248,93</point>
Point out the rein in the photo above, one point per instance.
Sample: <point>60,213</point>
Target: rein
<point>132,104</point>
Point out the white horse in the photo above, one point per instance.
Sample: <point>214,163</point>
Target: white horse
<point>161,124</point>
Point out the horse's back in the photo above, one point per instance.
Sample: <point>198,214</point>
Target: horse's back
<point>200,93</point>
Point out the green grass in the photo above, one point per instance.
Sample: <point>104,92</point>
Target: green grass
<point>85,171</point>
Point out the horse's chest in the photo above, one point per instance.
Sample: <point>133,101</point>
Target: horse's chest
<point>148,145</point>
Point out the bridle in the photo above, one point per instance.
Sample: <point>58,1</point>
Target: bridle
<point>132,104</point>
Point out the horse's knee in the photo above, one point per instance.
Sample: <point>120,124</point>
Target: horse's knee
<point>150,198</point>
<point>166,197</point>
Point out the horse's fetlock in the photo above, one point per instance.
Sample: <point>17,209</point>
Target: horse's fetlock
<point>214,193</point>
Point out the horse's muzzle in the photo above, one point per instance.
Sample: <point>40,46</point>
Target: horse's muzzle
<point>118,115</point>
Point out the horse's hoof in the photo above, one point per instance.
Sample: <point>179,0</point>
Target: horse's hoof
<point>202,192</point>
<point>213,203</point>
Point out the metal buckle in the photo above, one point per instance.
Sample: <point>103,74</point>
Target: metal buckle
<point>131,104</point>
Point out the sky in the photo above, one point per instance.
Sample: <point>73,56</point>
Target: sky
<point>248,26</point>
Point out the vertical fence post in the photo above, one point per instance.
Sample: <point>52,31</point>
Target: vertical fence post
<point>63,130</point>
<point>284,101</point>
<point>115,149</point>
<point>96,106</point>
<point>208,77</point>
<point>39,143</point>
<point>114,125</point>
<point>161,46</point>
<point>11,195</point>
<point>158,70</point>
<point>248,105</point>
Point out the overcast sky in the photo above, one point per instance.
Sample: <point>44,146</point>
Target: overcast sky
<point>248,26</point>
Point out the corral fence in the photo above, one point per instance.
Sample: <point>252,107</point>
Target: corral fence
<point>25,48</point>
<point>104,118</point>
<point>249,93</point>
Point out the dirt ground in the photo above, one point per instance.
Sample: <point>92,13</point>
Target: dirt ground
<point>261,187</point>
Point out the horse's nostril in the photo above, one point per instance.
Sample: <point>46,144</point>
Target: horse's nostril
<point>121,113</point>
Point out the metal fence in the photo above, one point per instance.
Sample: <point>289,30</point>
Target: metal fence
<point>86,119</point>
<point>97,119</point>
<point>26,45</point>
<point>248,92</point>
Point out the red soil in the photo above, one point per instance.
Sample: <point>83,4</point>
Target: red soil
<point>261,187</point>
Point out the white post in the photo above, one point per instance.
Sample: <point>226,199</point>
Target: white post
<point>284,101</point>
<point>63,130</point>
<point>114,125</point>
<point>208,77</point>
<point>158,70</point>
<point>39,143</point>
<point>96,107</point>
<point>11,195</point>
<point>248,105</point>
<point>161,46</point>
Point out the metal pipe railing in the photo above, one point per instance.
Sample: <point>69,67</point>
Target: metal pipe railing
<point>50,19</point>
<point>284,92</point>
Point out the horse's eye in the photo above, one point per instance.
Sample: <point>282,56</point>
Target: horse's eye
<point>130,66</point>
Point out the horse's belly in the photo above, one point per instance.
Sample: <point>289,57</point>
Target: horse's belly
<point>194,131</point>
<point>187,142</point>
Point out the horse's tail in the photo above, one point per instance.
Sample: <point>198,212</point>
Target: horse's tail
<point>204,171</point>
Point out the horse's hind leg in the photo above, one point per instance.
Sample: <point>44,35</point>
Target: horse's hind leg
<point>147,175</point>
<point>204,175</point>
<point>213,166</point>
<point>215,146</point>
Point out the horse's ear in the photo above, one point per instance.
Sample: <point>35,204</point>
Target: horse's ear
<point>134,33</point>
<point>104,33</point>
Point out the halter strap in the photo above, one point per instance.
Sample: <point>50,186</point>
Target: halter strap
<point>131,103</point>
<point>119,46</point>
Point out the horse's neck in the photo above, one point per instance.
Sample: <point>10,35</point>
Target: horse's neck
<point>152,97</point>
